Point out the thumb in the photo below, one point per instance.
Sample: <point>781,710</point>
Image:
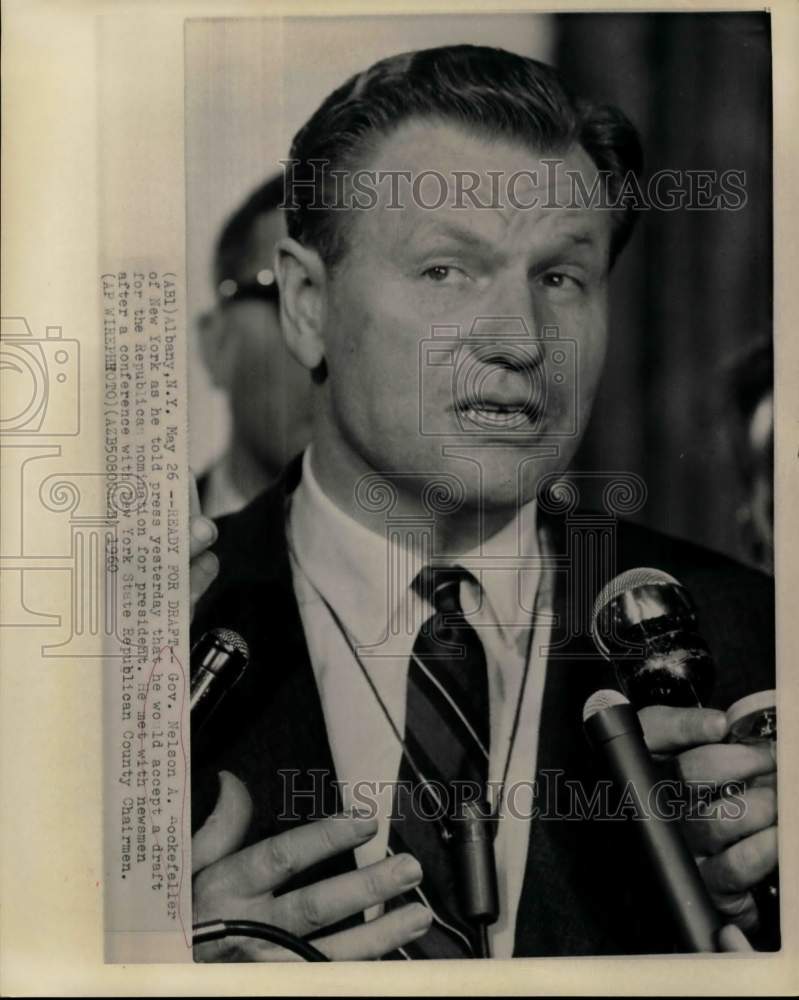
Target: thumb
<point>732,938</point>
<point>224,830</point>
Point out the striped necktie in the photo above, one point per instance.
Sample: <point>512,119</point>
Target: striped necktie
<point>445,758</point>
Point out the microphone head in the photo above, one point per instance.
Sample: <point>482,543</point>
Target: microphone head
<point>222,652</point>
<point>602,699</point>
<point>219,659</point>
<point>234,640</point>
<point>631,579</point>
<point>644,622</point>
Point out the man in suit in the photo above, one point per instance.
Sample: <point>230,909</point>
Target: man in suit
<point>416,590</point>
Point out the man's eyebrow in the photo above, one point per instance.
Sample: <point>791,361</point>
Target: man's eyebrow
<point>461,234</point>
<point>580,239</point>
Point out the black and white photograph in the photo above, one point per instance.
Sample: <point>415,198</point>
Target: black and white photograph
<point>481,414</point>
<point>398,444</point>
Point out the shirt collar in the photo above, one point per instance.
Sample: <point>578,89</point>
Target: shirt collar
<point>332,547</point>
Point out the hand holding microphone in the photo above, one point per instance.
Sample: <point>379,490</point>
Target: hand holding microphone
<point>645,623</point>
<point>615,733</point>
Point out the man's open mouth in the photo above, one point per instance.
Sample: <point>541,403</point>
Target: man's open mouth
<point>494,415</point>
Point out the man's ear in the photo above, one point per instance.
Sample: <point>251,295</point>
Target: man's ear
<point>217,348</point>
<point>302,278</point>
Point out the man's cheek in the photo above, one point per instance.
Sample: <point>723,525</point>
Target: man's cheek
<point>590,344</point>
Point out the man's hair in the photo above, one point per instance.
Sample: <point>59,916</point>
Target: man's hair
<point>486,90</point>
<point>237,245</point>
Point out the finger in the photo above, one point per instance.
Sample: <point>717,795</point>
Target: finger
<point>307,910</point>
<point>202,530</point>
<point>765,781</point>
<point>194,495</point>
<point>729,820</point>
<point>202,533</point>
<point>202,573</point>
<point>669,730</point>
<point>271,862</point>
<point>743,865</point>
<point>378,937</point>
<point>732,938</point>
<point>739,908</point>
<point>723,762</point>
<point>224,830</point>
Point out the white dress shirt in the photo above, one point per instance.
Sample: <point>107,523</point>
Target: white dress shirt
<point>366,579</point>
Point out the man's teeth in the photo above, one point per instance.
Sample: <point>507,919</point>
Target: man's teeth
<point>496,416</point>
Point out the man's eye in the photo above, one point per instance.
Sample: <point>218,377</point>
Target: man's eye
<point>439,272</point>
<point>557,279</point>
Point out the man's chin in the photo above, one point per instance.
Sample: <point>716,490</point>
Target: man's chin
<point>497,476</point>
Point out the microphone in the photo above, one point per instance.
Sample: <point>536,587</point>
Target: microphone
<point>218,660</point>
<point>615,733</point>
<point>644,622</point>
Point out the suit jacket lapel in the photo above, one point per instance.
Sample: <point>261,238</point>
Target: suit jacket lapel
<point>562,910</point>
<point>270,730</point>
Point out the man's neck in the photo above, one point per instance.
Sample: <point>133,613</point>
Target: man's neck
<point>369,497</point>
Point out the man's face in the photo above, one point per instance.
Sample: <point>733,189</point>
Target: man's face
<point>399,393</point>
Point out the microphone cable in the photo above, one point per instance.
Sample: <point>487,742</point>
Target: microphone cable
<point>217,930</point>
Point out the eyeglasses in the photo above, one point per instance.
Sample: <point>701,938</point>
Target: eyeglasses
<point>263,288</point>
<point>230,291</point>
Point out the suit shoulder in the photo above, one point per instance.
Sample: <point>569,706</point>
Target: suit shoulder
<point>249,530</point>
<point>676,555</point>
<point>258,530</point>
<point>253,558</point>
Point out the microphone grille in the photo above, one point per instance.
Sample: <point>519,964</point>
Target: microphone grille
<point>227,635</point>
<point>600,700</point>
<point>643,576</point>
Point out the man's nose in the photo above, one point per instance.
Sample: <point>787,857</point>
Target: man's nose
<point>510,299</point>
<point>513,355</point>
<point>505,335</point>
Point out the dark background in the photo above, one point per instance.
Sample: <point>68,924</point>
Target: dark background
<point>693,288</point>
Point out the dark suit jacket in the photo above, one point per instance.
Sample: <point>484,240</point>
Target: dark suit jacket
<point>584,892</point>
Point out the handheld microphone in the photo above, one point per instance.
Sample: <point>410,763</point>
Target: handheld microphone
<point>218,660</point>
<point>614,731</point>
<point>644,622</point>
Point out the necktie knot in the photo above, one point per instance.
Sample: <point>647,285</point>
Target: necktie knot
<point>440,587</point>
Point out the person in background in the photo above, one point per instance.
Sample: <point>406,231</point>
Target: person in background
<point>268,392</point>
<point>751,381</point>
